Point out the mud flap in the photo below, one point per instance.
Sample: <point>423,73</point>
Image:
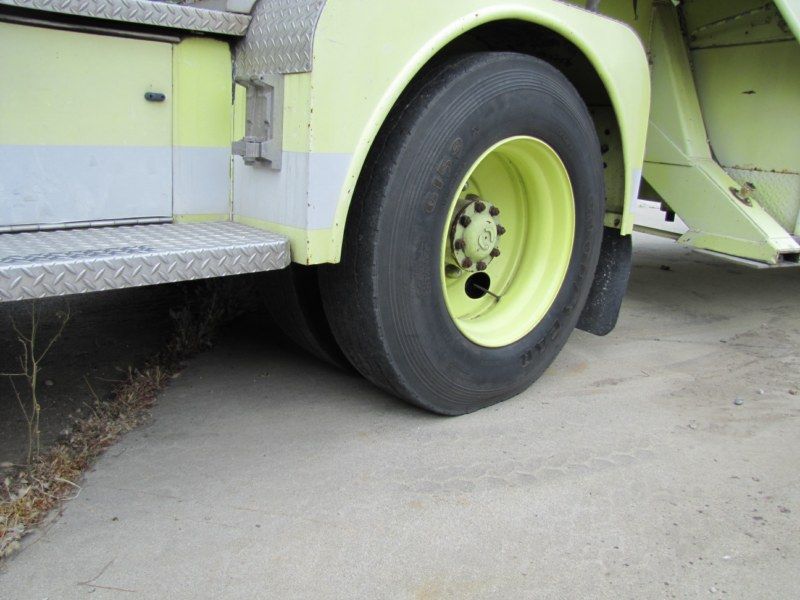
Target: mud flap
<point>600,314</point>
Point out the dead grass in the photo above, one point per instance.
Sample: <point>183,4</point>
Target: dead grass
<point>30,492</point>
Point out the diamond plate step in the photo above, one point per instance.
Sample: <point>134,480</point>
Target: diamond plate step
<point>56,263</point>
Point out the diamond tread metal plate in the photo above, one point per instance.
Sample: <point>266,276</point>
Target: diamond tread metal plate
<point>161,14</point>
<point>280,38</point>
<point>57,263</point>
<point>777,193</point>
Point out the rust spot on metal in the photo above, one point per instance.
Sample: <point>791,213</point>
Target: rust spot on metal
<point>743,193</point>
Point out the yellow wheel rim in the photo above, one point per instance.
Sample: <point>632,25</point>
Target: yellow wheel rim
<point>507,242</point>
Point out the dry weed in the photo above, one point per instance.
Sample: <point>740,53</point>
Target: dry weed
<point>51,477</point>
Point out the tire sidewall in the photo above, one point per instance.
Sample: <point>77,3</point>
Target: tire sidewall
<point>481,103</point>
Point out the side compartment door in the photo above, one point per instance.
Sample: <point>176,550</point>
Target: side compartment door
<point>79,141</point>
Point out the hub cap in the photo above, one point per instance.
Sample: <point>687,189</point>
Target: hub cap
<point>475,237</point>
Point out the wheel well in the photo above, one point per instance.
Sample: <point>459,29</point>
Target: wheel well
<point>545,44</point>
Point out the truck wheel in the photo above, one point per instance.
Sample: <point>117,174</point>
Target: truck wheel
<point>293,301</point>
<point>473,235</point>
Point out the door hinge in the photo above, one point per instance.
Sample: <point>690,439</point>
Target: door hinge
<point>262,141</point>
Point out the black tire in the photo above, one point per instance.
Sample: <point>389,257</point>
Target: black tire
<point>293,301</point>
<point>384,300</point>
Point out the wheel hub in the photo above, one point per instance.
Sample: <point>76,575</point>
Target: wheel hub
<point>475,236</point>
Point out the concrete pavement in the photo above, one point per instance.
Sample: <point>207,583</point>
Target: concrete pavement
<point>627,471</point>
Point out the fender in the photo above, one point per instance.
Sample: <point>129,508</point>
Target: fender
<point>790,11</point>
<point>364,55</point>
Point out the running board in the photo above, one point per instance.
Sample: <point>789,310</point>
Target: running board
<point>57,263</point>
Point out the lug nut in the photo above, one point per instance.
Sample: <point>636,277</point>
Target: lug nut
<point>466,263</point>
<point>459,244</point>
<point>495,252</point>
<point>481,266</point>
<point>479,206</point>
<point>500,230</point>
<point>465,221</point>
<point>494,211</point>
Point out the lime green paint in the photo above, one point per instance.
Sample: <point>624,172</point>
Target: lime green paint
<point>670,235</point>
<point>760,251</point>
<point>790,9</point>
<point>366,53</point>
<point>477,231</point>
<point>751,113</point>
<point>637,15</point>
<point>303,242</point>
<point>676,122</point>
<point>526,180</point>
<point>679,163</point>
<point>700,194</point>
<point>756,133</point>
<point>710,24</point>
<point>101,82</point>
<point>202,93</point>
<point>752,130</point>
<point>613,159</point>
<point>298,115</point>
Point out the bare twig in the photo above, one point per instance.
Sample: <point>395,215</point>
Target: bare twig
<point>91,389</point>
<point>99,575</point>
<point>19,400</point>
<point>68,482</point>
<point>64,319</point>
<point>54,472</point>
<point>31,365</point>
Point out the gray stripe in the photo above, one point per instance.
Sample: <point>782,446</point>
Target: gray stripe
<point>57,184</point>
<point>303,194</point>
<point>201,180</point>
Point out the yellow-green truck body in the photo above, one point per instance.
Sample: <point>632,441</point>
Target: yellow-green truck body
<point>149,142</point>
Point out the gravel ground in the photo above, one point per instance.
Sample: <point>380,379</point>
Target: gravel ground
<point>630,470</point>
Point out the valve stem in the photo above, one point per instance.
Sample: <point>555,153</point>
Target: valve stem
<point>485,291</point>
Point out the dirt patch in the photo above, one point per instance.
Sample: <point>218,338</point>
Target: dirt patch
<point>107,334</point>
<point>105,386</point>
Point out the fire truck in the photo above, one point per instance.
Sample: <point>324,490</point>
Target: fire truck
<point>444,188</point>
